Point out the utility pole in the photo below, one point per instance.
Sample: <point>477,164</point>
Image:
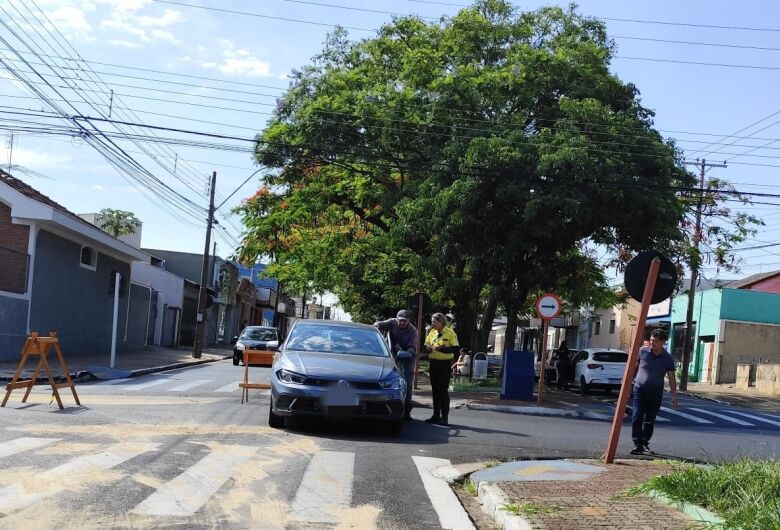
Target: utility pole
<point>695,262</point>
<point>200,324</point>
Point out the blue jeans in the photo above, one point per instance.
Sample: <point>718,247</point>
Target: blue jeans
<point>407,367</point>
<point>646,404</point>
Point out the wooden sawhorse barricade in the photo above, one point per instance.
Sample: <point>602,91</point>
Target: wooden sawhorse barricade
<point>254,357</point>
<point>41,346</point>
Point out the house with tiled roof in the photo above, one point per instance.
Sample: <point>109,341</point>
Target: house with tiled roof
<point>57,273</point>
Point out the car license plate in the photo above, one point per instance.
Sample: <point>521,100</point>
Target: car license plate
<point>339,396</point>
<point>614,381</point>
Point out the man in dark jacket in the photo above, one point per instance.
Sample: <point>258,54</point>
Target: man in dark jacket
<point>403,337</point>
<point>654,364</point>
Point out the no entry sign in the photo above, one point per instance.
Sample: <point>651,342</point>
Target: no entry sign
<point>548,306</point>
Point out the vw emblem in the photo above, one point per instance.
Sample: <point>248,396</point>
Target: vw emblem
<point>343,384</point>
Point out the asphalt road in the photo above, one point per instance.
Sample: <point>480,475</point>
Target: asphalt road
<point>179,450</point>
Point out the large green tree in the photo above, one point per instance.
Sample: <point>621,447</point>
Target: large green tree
<point>474,156</point>
<point>118,222</point>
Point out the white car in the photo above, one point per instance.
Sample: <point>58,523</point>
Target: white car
<point>599,368</point>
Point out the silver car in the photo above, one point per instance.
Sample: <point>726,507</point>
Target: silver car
<point>339,370</point>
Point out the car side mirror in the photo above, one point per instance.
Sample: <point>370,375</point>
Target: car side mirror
<point>234,340</point>
<point>403,355</point>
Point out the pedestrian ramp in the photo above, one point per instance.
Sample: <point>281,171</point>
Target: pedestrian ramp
<point>210,482</point>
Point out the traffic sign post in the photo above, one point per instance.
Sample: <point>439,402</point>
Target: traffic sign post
<point>548,306</point>
<point>660,277</point>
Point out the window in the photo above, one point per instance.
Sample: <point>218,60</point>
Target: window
<point>612,327</point>
<point>610,357</point>
<point>88,258</point>
<point>597,327</point>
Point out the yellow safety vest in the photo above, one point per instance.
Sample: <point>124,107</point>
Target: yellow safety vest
<point>446,339</point>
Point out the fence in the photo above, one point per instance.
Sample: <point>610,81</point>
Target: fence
<point>728,370</point>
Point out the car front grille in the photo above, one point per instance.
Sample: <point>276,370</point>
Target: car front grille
<point>359,385</point>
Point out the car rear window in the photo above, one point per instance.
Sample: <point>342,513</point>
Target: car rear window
<point>610,357</point>
<point>259,334</point>
<point>337,339</point>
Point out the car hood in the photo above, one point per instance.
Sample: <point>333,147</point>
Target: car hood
<point>338,365</point>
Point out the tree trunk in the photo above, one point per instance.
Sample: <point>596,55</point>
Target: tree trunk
<point>486,322</point>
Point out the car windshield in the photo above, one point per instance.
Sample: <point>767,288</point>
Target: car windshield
<point>610,356</point>
<point>259,334</point>
<point>337,339</point>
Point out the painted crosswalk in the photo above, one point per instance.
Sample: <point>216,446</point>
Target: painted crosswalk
<point>186,493</point>
<point>321,497</point>
<point>189,386</point>
<point>723,416</point>
<point>165,384</point>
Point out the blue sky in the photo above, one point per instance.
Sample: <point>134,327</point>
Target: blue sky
<point>251,56</point>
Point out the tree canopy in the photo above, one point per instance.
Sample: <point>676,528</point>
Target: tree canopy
<point>476,157</point>
<point>118,222</point>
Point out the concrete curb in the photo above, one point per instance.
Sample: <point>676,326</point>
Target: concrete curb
<point>697,513</point>
<point>493,500</point>
<point>154,369</point>
<point>83,376</point>
<point>699,396</point>
<point>540,411</point>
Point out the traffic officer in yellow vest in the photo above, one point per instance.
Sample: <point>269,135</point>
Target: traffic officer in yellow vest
<point>442,345</point>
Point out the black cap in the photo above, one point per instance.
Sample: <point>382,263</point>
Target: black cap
<point>404,314</point>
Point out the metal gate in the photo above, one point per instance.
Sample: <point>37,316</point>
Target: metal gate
<point>151,325</point>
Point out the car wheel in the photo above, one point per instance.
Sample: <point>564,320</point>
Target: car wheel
<point>395,426</point>
<point>274,420</point>
<point>584,386</point>
<point>235,360</point>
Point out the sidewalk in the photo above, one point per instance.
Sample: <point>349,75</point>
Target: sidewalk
<point>728,393</point>
<point>575,494</point>
<point>152,359</point>
<point>555,402</point>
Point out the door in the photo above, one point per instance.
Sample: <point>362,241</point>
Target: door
<point>579,365</point>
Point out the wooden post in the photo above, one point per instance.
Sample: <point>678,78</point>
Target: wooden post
<point>633,354</point>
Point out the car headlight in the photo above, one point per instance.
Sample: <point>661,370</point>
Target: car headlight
<point>394,383</point>
<point>240,346</point>
<point>287,376</point>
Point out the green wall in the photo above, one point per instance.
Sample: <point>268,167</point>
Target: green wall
<point>713,305</point>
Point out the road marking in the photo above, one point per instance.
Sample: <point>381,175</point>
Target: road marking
<point>325,488</point>
<point>757,418</point>
<point>191,384</point>
<point>16,496</point>
<point>686,416</point>
<point>451,514</point>
<point>185,494</point>
<point>19,445</point>
<point>114,381</point>
<point>136,388</point>
<point>724,417</point>
<point>232,387</point>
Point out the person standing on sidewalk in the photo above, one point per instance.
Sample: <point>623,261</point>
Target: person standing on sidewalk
<point>648,387</point>
<point>403,337</point>
<point>442,345</point>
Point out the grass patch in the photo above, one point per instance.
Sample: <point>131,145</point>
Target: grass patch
<point>528,508</point>
<point>744,493</point>
<point>470,487</point>
<point>491,384</point>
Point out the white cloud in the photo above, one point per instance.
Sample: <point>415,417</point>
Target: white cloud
<point>40,160</point>
<point>124,19</point>
<point>69,18</point>
<point>168,17</point>
<point>239,62</point>
<point>123,44</point>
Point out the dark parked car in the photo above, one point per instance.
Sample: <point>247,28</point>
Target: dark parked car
<point>255,338</point>
<point>338,370</point>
